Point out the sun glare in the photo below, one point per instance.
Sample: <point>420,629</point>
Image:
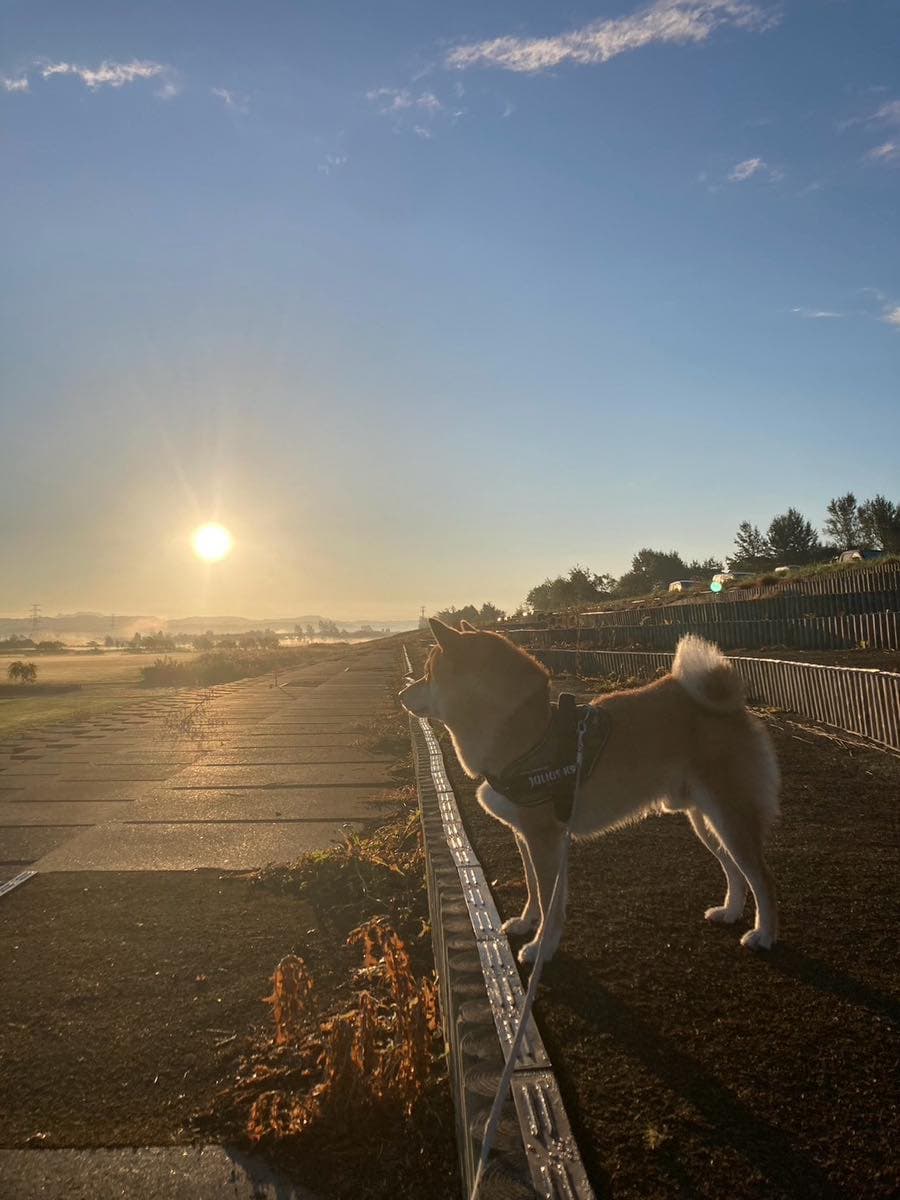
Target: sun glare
<point>212,542</point>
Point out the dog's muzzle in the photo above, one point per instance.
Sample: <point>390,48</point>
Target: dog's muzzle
<point>415,698</point>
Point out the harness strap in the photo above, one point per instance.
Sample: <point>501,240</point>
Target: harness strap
<point>567,749</point>
<point>549,772</point>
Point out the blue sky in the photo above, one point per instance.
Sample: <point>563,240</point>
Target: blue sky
<point>427,302</point>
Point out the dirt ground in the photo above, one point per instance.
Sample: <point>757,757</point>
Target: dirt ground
<point>692,1068</point>
<point>117,1016</point>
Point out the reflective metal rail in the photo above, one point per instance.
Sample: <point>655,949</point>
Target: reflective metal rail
<point>854,700</point>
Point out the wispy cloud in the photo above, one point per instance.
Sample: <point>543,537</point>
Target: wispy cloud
<point>890,113</point>
<point>108,74</point>
<point>877,305</point>
<point>873,305</point>
<point>332,163</point>
<point>816,314</point>
<point>746,170</point>
<point>750,167</point>
<point>412,111</point>
<point>887,115</point>
<point>887,152</point>
<point>14,85</point>
<point>394,100</point>
<point>664,21</point>
<point>232,100</point>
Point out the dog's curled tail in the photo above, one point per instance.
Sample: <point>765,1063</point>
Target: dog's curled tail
<point>707,676</point>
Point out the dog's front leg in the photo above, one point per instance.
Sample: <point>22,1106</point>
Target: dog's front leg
<point>531,913</point>
<point>545,839</point>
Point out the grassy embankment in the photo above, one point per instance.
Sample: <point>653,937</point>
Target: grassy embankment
<point>101,682</point>
<point>766,579</point>
<point>105,681</point>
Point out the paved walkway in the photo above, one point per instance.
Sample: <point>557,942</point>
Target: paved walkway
<point>282,772</point>
<point>282,775</point>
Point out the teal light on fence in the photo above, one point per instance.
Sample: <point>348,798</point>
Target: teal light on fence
<point>715,586</point>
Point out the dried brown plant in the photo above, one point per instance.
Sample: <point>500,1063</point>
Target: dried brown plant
<point>379,1056</point>
<point>291,999</point>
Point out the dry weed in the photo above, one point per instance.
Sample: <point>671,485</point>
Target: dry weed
<point>195,722</point>
<point>291,999</point>
<point>376,1059</point>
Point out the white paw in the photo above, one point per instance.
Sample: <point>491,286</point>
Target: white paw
<point>722,915</point>
<point>519,926</point>
<point>758,939</point>
<point>529,951</point>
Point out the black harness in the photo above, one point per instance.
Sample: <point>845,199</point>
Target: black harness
<point>549,771</point>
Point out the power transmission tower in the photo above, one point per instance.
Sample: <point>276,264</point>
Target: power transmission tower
<point>35,619</point>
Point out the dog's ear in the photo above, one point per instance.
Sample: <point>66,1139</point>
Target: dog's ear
<point>445,635</point>
<point>467,626</point>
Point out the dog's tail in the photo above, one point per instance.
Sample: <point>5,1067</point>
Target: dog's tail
<point>707,676</point>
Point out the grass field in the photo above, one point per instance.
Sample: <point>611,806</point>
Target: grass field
<point>105,680</point>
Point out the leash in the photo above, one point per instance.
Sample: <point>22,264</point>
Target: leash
<point>493,1121</point>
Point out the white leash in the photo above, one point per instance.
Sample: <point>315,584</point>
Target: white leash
<point>493,1121</point>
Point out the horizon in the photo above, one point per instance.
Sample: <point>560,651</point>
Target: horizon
<point>426,306</point>
<point>215,618</point>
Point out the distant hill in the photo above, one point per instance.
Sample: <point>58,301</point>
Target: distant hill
<point>236,624</point>
<point>124,625</point>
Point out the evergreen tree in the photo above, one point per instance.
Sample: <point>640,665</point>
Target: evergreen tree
<point>490,614</point>
<point>842,523</point>
<point>879,521</point>
<point>651,570</point>
<point>704,569</point>
<point>752,551</point>
<point>792,538</point>
<point>579,587</point>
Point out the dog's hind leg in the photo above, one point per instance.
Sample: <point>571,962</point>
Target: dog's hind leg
<point>531,913</point>
<point>732,906</point>
<point>741,836</point>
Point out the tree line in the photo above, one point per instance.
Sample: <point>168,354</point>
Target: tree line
<point>790,540</point>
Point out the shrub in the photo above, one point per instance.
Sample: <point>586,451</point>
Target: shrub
<point>223,666</point>
<point>24,672</point>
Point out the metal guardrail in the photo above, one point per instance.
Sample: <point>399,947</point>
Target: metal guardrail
<point>851,699</point>
<point>534,1153</point>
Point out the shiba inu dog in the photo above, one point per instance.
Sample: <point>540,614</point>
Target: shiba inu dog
<point>684,743</point>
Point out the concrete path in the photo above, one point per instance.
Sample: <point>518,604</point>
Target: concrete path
<point>153,1173</point>
<point>281,773</point>
<point>281,770</point>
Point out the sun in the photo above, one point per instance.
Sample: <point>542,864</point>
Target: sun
<point>212,542</point>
